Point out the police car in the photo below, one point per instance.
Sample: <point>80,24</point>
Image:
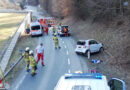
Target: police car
<point>35,29</point>
<point>88,81</point>
<point>90,45</point>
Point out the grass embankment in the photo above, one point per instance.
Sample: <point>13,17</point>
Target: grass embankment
<point>9,22</point>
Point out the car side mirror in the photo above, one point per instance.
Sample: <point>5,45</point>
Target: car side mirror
<point>116,84</point>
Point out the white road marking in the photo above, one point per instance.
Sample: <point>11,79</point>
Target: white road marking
<point>20,82</point>
<point>69,71</point>
<point>63,42</point>
<point>68,61</point>
<point>67,52</point>
<point>61,39</point>
<point>65,46</point>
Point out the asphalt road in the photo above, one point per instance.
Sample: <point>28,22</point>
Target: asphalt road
<point>57,63</point>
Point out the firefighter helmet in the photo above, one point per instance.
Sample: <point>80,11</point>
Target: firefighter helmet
<point>31,52</point>
<point>27,49</point>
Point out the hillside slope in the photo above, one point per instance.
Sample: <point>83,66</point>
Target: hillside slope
<point>115,36</point>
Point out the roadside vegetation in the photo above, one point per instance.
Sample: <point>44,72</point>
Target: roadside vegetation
<point>6,4</point>
<point>9,23</point>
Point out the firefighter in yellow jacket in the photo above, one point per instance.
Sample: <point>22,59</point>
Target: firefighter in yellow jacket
<point>33,63</point>
<point>56,41</point>
<point>26,58</point>
<point>54,30</point>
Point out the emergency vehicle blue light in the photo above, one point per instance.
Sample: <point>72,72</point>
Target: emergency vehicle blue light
<point>84,75</point>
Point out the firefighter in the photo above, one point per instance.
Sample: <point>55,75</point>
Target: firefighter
<point>56,42</point>
<point>60,24</point>
<point>54,30</point>
<point>33,63</point>
<point>26,58</point>
<point>66,31</point>
<point>46,29</point>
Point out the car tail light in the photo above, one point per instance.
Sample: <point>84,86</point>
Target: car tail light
<point>85,46</point>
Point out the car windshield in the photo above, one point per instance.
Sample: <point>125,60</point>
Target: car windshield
<point>81,43</point>
<point>35,27</point>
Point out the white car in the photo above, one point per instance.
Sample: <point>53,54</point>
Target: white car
<point>85,46</point>
<point>36,29</point>
<point>88,81</point>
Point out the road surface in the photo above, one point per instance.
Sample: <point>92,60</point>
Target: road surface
<point>57,63</point>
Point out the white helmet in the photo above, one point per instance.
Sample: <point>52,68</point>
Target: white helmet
<point>27,49</point>
<point>31,52</point>
<point>55,34</point>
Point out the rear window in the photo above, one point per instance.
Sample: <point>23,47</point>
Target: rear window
<point>81,43</point>
<point>81,87</point>
<point>35,27</point>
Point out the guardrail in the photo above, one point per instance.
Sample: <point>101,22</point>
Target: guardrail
<point>8,53</point>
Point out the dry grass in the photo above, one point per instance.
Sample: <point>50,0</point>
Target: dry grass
<point>9,22</point>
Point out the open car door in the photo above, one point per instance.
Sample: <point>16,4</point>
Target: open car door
<point>116,84</point>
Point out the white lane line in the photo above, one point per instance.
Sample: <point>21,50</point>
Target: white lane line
<point>69,71</point>
<point>63,42</point>
<point>61,39</point>
<point>68,61</point>
<point>65,46</point>
<point>67,52</point>
<point>20,82</point>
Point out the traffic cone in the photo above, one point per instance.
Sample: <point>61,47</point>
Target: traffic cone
<point>1,84</point>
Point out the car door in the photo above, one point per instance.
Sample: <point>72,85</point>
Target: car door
<point>116,84</point>
<point>93,46</point>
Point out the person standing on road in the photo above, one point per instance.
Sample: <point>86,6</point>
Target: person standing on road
<point>46,29</point>
<point>26,58</point>
<point>40,53</point>
<point>54,30</point>
<point>56,42</point>
<point>66,31</point>
<point>33,63</point>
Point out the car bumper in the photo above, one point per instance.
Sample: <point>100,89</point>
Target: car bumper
<point>35,34</point>
<point>80,51</point>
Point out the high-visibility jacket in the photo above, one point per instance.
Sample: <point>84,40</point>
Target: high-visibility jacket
<point>26,56</point>
<point>32,61</point>
<point>54,29</point>
<point>55,39</point>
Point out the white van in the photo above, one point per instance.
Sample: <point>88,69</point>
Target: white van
<point>36,29</point>
<point>88,81</point>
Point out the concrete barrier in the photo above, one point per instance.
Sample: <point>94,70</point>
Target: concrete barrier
<point>8,53</point>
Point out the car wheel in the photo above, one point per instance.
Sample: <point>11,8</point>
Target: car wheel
<point>87,52</point>
<point>69,34</point>
<point>77,53</point>
<point>101,49</point>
